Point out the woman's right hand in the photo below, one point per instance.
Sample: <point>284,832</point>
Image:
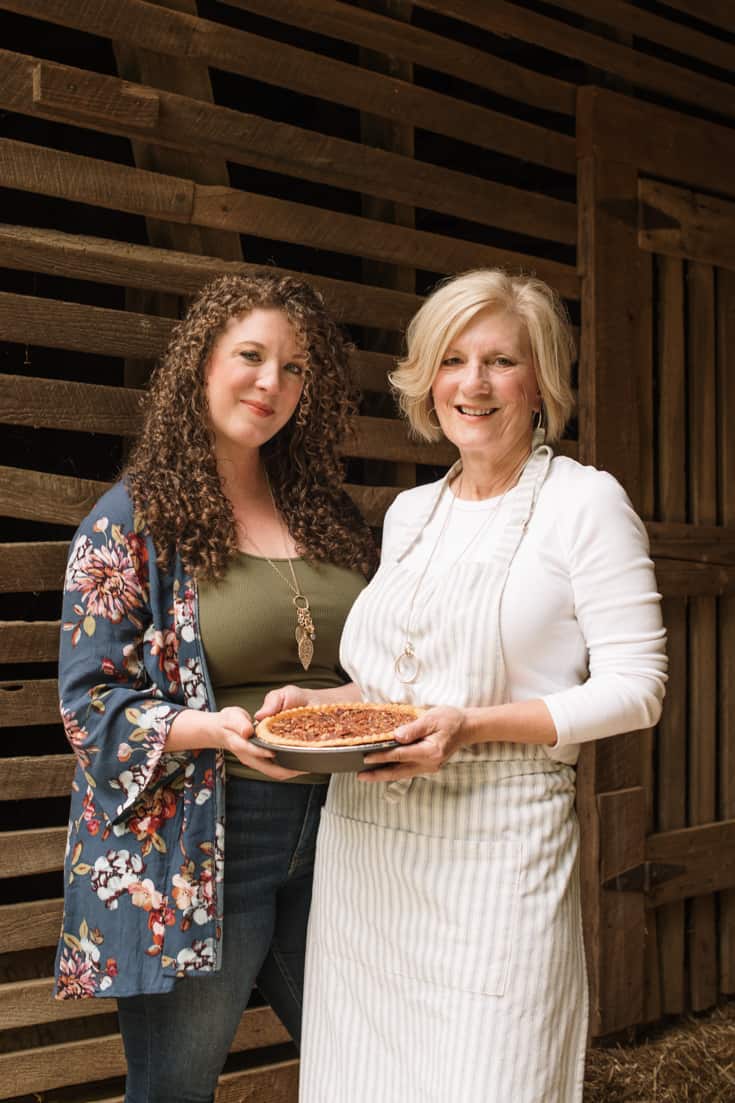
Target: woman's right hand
<point>286,697</point>
<point>233,730</point>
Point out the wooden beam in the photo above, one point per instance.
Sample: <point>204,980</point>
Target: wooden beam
<point>679,222</point>
<point>714,12</point>
<point>189,125</point>
<point>662,30</point>
<point>99,260</point>
<point>24,641</point>
<point>658,141</point>
<point>30,926</point>
<point>700,543</point>
<point>39,850</point>
<point>413,44</point>
<point>28,567</point>
<point>56,1066</point>
<point>677,578</point>
<point>188,38</point>
<point>33,777</point>
<point>552,34</point>
<point>29,702</point>
<point>91,96</point>
<point>56,499</point>
<point>276,1083</point>
<point>154,195</point>
<point>708,854</point>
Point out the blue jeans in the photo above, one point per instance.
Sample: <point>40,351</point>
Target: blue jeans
<point>177,1043</point>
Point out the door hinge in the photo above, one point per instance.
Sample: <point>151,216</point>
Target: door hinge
<point>644,877</point>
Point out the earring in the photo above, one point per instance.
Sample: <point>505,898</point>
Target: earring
<point>539,427</point>
<point>431,423</point>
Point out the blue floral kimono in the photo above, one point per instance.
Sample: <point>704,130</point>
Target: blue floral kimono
<point>144,860</point>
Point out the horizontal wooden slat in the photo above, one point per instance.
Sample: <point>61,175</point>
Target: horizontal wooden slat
<point>432,51</point>
<point>707,852</point>
<point>57,1066</point>
<point>310,74</point>
<point>106,184</point>
<point>624,16</point>
<point>86,92</point>
<point>277,1083</point>
<point>30,1002</point>
<point>679,222</point>
<point>31,777</point>
<point>191,125</point>
<point>100,260</point>
<point>29,641</point>
<point>55,499</point>
<point>27,567</point>
<point>700,543</point>
<point>31,925</point>
<point>32,701</point>
<point>677,578</point>
<point>35,850</point>
<point>622,129</point>
<point>709,11</point>
<point>611,57</point>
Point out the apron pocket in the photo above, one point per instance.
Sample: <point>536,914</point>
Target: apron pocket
<point>439,911</point>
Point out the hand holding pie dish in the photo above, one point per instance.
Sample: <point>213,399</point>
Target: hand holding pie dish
<point>332,738</point>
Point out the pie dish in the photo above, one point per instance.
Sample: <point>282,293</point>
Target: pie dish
<point>332,738</point>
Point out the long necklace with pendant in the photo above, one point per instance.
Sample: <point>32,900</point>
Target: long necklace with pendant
<point>305,632</point>
<point>407,664</point>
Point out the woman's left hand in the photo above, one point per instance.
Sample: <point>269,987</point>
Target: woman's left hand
<point>427,743</point>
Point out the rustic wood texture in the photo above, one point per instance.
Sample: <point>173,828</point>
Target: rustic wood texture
<point>30,926</point>
<point>29,777</point>
<point>29,641</point>
<point>726,611</point>
<point>275,1083</point>
<point>374,31</point>
<point>638,69</point>
<point>26,1002</point>
<point>708,854</point>
<point>88,94</point>
<point>711,11</point>
<point>638,23</point>
<point>56,1066</point>
<point>700,543</point>
<point>680,222</point>
<point>671,763</point>
<point>28,702</point>
<point>27,567</point>
<point>184,36</point>
<point>702,617</point>
<point>669,144</point>
<point>35,850</point>
<point>187,124</point>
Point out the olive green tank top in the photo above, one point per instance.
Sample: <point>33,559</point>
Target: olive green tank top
<point>247,624</point>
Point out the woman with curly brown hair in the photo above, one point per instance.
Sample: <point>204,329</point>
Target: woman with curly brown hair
<point>222,565</point>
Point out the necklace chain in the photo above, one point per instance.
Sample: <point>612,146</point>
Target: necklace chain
<point>407,665</point>
<point>305,631</point>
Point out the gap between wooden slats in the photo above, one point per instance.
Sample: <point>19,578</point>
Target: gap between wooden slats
<point>701,401</point>
<point>421,47</point>
<point>57,1066</point>
<point>640,69</point>
<point>713,12</point>
<point>311,74</point>
<point>155,195</point>
<point>190,125</point>
<point>726,612</point>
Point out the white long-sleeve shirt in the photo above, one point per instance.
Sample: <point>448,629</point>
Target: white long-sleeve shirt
<point>580,617</point>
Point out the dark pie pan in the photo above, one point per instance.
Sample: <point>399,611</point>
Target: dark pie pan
<point>325,760</point>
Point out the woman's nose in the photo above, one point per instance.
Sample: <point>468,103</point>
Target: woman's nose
<point>477,375</point>
<point>269,376</point>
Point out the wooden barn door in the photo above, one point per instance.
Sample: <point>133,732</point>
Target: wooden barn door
<point>657,408</point>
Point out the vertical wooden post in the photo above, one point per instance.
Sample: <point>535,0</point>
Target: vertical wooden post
<point>615,419</point>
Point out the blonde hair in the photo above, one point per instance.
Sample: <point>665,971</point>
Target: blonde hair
<point>452,306</point>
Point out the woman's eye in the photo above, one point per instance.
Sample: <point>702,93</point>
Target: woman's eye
<point>250,355</point>
<point>503,362</point>
<point>296,369</point>
<point>451,362</point>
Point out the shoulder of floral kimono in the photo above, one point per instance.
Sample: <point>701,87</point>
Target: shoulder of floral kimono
<point>116,505</point>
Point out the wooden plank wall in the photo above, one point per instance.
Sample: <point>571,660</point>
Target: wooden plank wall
<point>146,146</point>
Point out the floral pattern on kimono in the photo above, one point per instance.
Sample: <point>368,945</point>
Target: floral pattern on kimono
<point>145,851</point>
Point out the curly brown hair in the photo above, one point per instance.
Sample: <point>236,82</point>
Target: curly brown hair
<point>172,471</point>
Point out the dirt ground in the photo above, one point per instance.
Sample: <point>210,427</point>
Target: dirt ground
<point>689,1061</point>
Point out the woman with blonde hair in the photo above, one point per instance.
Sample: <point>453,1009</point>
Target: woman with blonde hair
<point>516,601</point>
<point>222,564</point>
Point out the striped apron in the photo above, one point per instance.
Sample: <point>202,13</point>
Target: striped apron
<point>445,960</point>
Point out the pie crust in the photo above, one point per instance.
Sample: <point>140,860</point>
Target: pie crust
<point>351,724</point>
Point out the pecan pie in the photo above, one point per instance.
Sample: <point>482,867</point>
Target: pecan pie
<point>348,725</point>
